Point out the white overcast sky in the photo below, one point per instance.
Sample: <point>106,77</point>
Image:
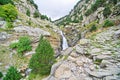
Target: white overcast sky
<point>55,8</point>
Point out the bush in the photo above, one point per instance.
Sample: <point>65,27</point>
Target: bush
<point>88,12</point>
<point>9,25</point>
<point>8,12</point>
<point>86,1</point>
<point>32,2</point>
<point>42,60</point>
<point>3,2</point>
<point>22,46</point>
<point>93,28</point>
<point>108,23</point>
<point>1,75</point>
<point>44,17</point>
<point>28,12</point>
<point>97,4</point>
<point>12,74</point>
<point>81,17</point>
<point>106,12</point>
<point>113,1</point>
<point>36,14</point>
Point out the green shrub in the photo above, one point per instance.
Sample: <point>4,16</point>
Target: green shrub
<point>9,25</point>
<point>81,17</point>
<point>106,12</point>
<point>12,74</point>
<point>86,1</point>
<point>44,17</point>
<point>28,12</point>
<point>94,7</point>
<point>32,2</point>
<point>42,60</point>
<point>22,46</point>
<point>36,14</point>
<point>88,12</point>
<point>8,12</point>
<point>113,1</point>
<point>3,2</point>
<point>108,23</point>
<point>97,4</point>
<point>93,28</point>
<point>1,75</point>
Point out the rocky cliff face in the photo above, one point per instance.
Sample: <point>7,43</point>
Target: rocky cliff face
<point>88,12</point>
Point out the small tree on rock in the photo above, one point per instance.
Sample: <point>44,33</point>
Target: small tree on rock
<point>43,59</point>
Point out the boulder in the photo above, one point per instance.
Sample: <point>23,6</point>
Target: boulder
<point>63,71</point>
<point>79,50</point>
<point>31,31</point>
<point>67,51</point>
<point>117,34</point>
<point>3,36</point>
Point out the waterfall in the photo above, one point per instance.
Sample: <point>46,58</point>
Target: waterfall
<point>64,41</point>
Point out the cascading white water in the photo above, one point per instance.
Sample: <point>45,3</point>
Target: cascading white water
<point>64,41</point>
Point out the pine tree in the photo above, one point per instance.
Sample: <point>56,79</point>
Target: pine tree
<point>43,59</point>
<point>12,74</point>
<point>1,75</point>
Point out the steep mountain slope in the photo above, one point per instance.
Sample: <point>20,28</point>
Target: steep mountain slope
<point>87,13</point>
<point>29,22</point>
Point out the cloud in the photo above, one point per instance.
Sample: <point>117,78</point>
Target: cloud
<point>55,8</point>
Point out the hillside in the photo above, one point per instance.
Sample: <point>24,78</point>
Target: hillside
<point>21,18</point>
<point>86,13</point>
<point>83,45</point>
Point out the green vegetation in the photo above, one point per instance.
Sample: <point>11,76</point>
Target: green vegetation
<point>86,1</point>
<point>108,23</point>
<point>106,12</point>
<point>1,75</point>
<point>22,46</point>
<point>44,17</point>
<point>43,59</point>
<point>36,14</point>
<point>113,1</point>
<point>81,17</point>
<point>8,12</point>
<point>32,2</point>
<point>12,74</point>
<point>93,28</point>
<point>88,12</point>
<point>9,25</point>
<point>28,12</point>
<point>3,2</point>
<point>94,7</point>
